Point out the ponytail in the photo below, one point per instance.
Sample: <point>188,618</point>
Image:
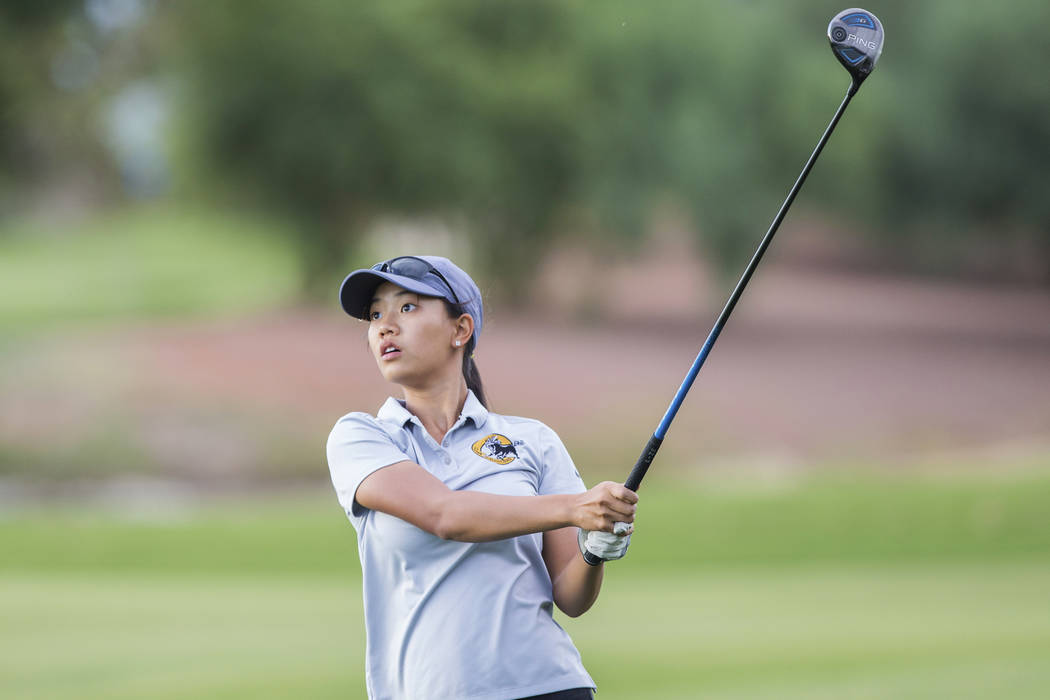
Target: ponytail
<point>472,375</point>
<point>470,368</point>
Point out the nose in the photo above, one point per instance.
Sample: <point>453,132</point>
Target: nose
<point>386,327</point>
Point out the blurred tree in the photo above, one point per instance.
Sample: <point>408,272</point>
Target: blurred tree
<point>686,104</point>
<point>508,115</point>
<point>30,33</point>
<point>340,111</point>
<point>60,63</point>
<point>961,174</point>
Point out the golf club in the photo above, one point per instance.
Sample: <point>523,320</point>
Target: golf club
<point>856,38</point>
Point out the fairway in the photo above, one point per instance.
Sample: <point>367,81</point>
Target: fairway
<point>839,586</point>
<point>142,636</point>
<point>902,631</point>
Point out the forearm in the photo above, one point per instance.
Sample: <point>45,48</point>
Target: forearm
<point>407,491</point>
<point>577,586</point>
<point>472,516</point>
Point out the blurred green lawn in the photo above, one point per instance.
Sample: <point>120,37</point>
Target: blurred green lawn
<point>858,586</point>
<point>143,262</point>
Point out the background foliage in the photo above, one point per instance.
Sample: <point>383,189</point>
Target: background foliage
<point>528,120</point>
<point>524,122</point>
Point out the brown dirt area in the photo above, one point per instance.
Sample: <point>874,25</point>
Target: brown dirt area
<point>814,366</point>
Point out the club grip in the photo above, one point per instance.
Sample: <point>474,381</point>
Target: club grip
<point>634,480</point>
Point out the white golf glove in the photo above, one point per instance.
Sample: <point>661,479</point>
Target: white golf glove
<point>607,546</point>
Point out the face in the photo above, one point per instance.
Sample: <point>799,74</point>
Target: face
<point>412,337</point>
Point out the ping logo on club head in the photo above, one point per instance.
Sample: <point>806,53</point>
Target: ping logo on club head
<point>858,19</point>
<point>870,45</point>
<point>497,448</point>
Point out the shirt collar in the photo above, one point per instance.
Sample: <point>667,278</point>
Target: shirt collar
<point>473,410</point>
<point>394,411</point>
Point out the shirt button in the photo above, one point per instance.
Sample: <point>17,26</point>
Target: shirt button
<point>448,460</point>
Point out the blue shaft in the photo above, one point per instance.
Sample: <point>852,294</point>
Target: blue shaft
<point>679,397</point>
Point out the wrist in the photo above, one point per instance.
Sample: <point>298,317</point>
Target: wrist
<point>568,511</point>
<point>589,558</point>
<point>597,546</point>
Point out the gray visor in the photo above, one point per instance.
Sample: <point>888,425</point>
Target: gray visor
<point>428,275</point>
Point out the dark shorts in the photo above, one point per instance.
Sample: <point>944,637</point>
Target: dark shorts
<point>573,694</point>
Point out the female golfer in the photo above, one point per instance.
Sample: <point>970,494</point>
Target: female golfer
<point>469,523</point>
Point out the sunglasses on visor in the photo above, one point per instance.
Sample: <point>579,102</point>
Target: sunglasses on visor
<point>413,268</point>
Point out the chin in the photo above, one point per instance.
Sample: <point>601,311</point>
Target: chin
<point>395,374</point>
<point>415,374</point>
<point>389,374</point>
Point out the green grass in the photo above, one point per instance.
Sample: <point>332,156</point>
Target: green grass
<point>902,631</point>
<point>141,262</point>
<point>889,630</point>
<point>701,525</point>
<point>151,636</point>
<point>831,587</point>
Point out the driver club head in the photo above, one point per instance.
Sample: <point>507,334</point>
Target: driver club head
<point>856,40</point>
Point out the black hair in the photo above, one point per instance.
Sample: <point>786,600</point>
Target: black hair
<point>470,368</point>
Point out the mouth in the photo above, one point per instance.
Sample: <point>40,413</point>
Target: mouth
<point>389,351</point>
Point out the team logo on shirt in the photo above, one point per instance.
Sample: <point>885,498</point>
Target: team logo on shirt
<point>497,448</point>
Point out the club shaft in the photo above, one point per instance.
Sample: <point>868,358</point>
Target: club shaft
<point>634,479</point>
<point>646,458</point>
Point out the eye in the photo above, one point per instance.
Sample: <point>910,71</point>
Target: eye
<point>373,315</point>
<point>407,306</point>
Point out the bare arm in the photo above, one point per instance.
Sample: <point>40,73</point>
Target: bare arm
<point>576,583</point>
<point>409,492</point>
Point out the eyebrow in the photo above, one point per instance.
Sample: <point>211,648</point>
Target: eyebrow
<point>399,294</point>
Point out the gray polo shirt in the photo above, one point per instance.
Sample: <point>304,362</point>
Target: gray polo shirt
<point>448,619</point>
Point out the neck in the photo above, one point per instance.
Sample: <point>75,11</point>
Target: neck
<point>437,406</point>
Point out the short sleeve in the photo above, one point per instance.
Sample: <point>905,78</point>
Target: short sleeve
<point>357,447</point>
<point>559,474</point>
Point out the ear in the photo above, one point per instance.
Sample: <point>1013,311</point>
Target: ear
<point>464,329</point>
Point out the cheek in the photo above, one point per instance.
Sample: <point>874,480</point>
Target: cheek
<point>440,337</point>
